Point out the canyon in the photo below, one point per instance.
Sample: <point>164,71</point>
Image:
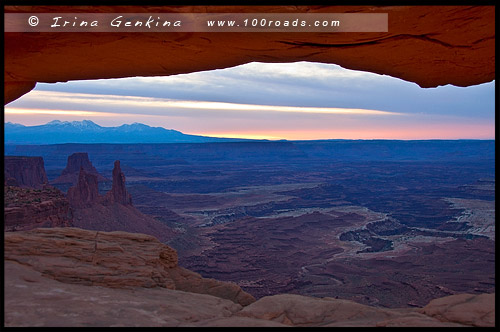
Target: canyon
<point>391,224</point>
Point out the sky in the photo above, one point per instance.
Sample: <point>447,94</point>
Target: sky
<point>295,101</point>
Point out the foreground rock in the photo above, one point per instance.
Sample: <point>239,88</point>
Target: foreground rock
<point>467,309</point>
<point>74,277</point>
<point>111,259</point>
<point>298,310</point>
<point>33,300</point>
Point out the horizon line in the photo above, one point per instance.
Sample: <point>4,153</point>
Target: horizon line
<point>247,137</point>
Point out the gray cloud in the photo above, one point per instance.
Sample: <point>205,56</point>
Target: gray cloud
<point>293,84</point>
<point>299,84</point>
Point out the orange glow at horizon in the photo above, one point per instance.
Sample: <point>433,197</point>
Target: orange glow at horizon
<point>408,133</point>
<point>410,130</point>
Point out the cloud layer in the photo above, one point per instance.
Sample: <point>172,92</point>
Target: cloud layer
<point>291,100</point>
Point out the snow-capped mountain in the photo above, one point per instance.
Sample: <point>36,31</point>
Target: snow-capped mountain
<point>83,125</point>
<point>86,131</point>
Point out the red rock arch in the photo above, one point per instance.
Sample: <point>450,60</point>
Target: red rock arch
<point>428,45</point>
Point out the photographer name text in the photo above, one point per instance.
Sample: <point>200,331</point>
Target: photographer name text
<point>196,22</point>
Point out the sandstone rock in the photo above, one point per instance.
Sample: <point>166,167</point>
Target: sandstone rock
<point>118,192</point>
<point>76,162</point>
<point>414,319</point>
<point>10,182</point>
<point>27,172</point>
<point>428,45</point>
<point>72,277</point>
<point>14,90</point>
<point>298,310</point>
<point>26,209</point>
<point>467,309</point>
<point>236,321</point>
<point>112,212</point>
<point>86,191</point>
<point>34,300</point>
<point>190,281</point>
<point>114,259</point>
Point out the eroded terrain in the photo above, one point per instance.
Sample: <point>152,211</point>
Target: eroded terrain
<point>387,223</point>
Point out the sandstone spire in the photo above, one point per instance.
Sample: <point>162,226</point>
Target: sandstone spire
<point>86,191</point>
<point>118,192</point>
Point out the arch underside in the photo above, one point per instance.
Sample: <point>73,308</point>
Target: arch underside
<point>428,45</point>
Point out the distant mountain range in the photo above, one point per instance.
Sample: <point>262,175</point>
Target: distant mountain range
<point>86,131</point>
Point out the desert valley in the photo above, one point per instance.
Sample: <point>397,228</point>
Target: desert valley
<point>390,224</point>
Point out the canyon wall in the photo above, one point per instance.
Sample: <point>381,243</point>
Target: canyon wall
<point>29,201</point>
<point>26,172</point>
